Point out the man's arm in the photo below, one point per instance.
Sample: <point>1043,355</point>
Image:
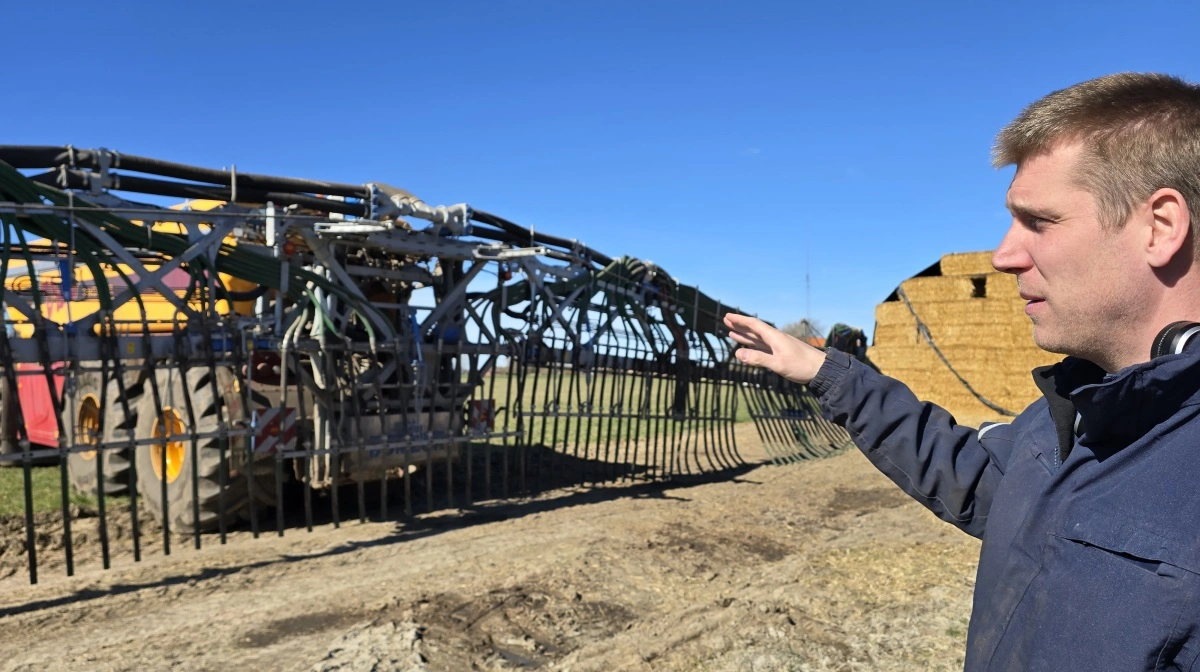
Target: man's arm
<point>918,445</point>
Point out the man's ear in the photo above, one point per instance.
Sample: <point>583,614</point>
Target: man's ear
<point>1169,225</point>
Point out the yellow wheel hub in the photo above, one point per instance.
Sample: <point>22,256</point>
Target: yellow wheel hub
<point>169,424</point>
<point>87,426</point>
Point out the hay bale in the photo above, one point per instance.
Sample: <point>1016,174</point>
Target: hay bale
<point>898,333</point>
<point>937,288</point>
<point>1002,285</point>
<point>967,263</point>
<point>892,312</point>
<point>976,317</point>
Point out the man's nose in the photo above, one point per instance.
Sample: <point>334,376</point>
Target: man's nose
<point>1011,256</point>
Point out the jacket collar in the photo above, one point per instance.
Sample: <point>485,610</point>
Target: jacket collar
<point>1118,407</point>
<point>1057,382</point>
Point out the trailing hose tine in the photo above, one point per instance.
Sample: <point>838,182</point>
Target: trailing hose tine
<point>432,388</point>
<point>409,400</point>
<point>560,409</point>
<point>356,421</point>
<point>453,404</point>
<point>711,418</point>
<point>56,401</point>
<point>725,418</point>
<point>654,408</point>
<point>718,423</point>
<point>629,457</point>
<point>728,412</point>
<point>10,377</point>
<point>181,362</point>
<point>774,411</point>
<point>101,452</point>
<point>385,434</point>
<point>536,415</point>
<point>705,403</point>
<point>490,398</point>
<point>547,365</point>
<point>583,435</point>
<point>638,448</point>
<point>616,409</point>
<point>305,442</point>
<point>664,420</point>
<point>778,411</point>
<point>474,382</point>
<point>512,415</point>
<point>612,407</point>
<point>751,393</point>
<point>524,417</point>
<point>619,402</point>
<point>281,447</point>
<point>241,364</point>
<point>577,399</point>
<point>686,424</point>
<point>334,437</point>
<point>208,350</point>
<point>634,434</point>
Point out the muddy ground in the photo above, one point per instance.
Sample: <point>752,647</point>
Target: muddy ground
<point>816,566</point>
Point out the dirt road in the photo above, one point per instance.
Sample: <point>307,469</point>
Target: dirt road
<point>818,566</point>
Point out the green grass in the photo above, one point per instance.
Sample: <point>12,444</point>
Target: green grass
<point>47,491</point>
<point>544,390</point>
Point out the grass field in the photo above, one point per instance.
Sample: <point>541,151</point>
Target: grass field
<point>47,491</point>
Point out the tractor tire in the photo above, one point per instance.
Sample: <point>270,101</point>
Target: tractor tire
<point>204,465</point>
<point>81,418</point>
<point>8,421</point>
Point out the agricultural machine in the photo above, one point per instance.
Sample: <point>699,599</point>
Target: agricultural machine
<point>206,361</point>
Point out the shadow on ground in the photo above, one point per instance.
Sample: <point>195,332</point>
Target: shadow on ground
<point>482,487</point>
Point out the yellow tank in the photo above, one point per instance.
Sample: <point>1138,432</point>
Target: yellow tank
<point>161,316</point>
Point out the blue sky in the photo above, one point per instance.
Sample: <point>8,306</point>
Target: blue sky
<point>732,143</point>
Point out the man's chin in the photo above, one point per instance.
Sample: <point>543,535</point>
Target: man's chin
<point>1049,343</point>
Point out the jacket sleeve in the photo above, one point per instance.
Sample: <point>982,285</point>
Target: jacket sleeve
<point>951,469</point>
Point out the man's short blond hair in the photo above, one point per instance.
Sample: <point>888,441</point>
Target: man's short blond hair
<point>1139,133</point>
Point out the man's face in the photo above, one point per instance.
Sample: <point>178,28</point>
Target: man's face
<point>1078,279</point>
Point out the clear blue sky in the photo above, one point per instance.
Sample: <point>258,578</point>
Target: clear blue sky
<point>732,143</point>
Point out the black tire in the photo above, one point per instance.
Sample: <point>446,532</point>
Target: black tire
<point>81,411</point>
<point>8,421</point>
<point>172,418</point>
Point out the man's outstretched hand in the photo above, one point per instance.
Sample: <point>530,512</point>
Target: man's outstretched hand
<point>770,348</point>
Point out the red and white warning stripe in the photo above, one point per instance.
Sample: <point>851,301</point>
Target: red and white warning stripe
<point>276,430</point>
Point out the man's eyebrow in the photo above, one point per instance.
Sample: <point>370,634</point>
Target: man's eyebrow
<point>1030,212</point>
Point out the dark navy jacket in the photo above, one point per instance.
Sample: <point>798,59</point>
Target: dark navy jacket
<point>1091,529</point>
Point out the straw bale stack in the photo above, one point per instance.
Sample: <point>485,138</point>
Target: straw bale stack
<point>977,319</point>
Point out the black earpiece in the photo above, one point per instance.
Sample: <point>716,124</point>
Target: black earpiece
<point>1175,338</point>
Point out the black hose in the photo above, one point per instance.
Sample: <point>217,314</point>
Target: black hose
<point>32,156</point>
<point>44,156</point>
<point>523,236</point>
<point>208,183</point>
<point>78,179</point>
<point>248,180</point>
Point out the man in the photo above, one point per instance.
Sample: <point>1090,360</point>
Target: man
<point>1088,504</point>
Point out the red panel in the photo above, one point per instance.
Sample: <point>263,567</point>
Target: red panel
<point>36,407</point>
